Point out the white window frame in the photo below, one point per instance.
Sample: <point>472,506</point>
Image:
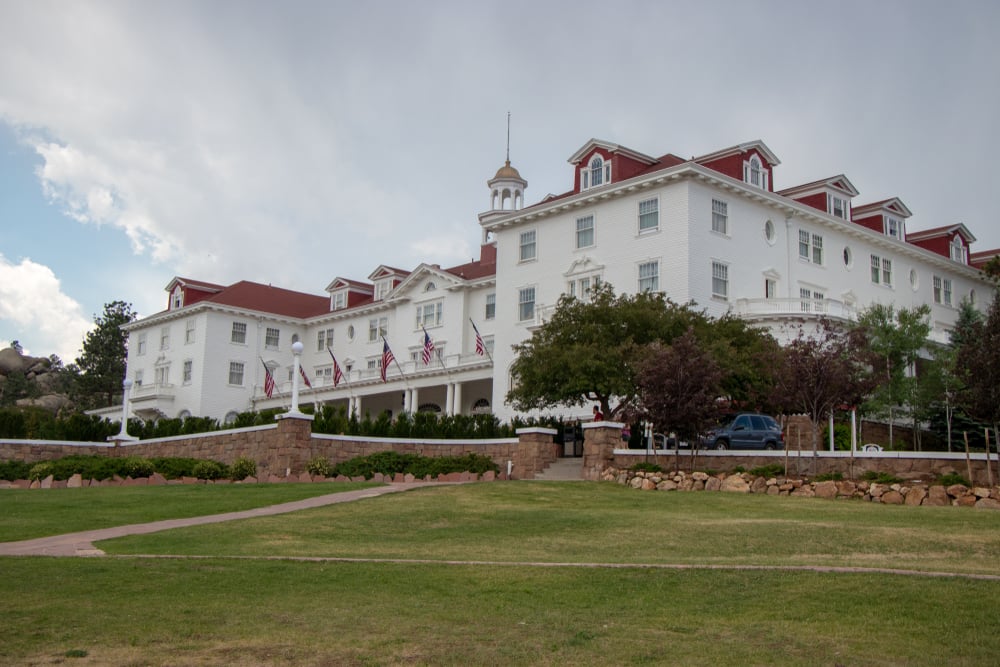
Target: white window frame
<point>140,345</point>
<point>942,288</point>
<point>809,298</point>
<point>720,217</point>
<point>720,280</point>
<point>324,339</point>
<point>528,246</point>
<point>189,332</point>
<point>339,300</point>
<point>491,306</point>
<point>137,381</point>
<point>526,304</point>
<point>582,287</point>
<point>429,315</point>
<point>377,327</point>
<point>382,288</point>
<point>755,173</point>
<point>957,250</point>
<point>894,228</point>
<point>649,215</point>
<point>238,334</point>
<point>585,236</point>
<point>162,374</point>
<point>272,338</point>
<point>844,204</point>
<point>880,270</point>
<point>188,371</point>
<point>237,371</point>
<point>165,338</point>
<point>811,247</point>
<point>770,288</point>
<point>650,282</point>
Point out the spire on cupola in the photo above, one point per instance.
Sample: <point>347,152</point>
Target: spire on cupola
<point>507,187</point>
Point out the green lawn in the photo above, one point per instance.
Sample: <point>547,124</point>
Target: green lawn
<point>232,606</point>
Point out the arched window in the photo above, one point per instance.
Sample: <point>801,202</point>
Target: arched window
<point>481,407</point>
<point>596,171</point>
<point>230,418</point>
<point>184,414</point>
<point>429,407</point>
<point>754,172</point>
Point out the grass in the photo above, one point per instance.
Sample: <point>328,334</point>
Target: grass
<point>234,607</point>
<point>33,513</point>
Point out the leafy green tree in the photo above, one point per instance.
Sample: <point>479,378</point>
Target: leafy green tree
<point>589,351</point>
<point>978,365</point>
<point>895,338</point>
<point>679,386</point>
<point>102,363</point>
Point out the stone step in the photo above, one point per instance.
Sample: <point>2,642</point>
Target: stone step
<point>564,469</point>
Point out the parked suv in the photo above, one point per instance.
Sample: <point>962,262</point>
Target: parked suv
<point>746,431</point>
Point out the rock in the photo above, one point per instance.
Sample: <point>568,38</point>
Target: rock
<point>916,495</point>
<point>156,479</point>
<point>699,476</point>
<point>937,496</point>
<point>892,497</point>
<point>250,480</point>
<point>980,492</point>
<point>408,478</point>
<point>697,486</point>
<point>46,483</point>
<point>11,361</point>
<point>489,476</point>
<point>846,488</point>
<point>667,485</point>
<point>50,402</point>
<point>773,490</point>
<point>987,504</point>
<point>75,481</point>
<point>648,485</point>
<point>305,478</point>
<point>686,484</point>
<point>713,484</point>
<point>967,500</point>
<point>735,484</point>
<point>957,490</point>
<point>635,482</point>
<point>804,491</point>
<point>758,485</point>
<point>826,490</point>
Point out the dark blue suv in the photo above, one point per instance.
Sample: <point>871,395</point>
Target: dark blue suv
<point>746,431</point>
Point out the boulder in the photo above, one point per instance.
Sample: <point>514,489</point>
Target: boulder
<point>968,500</point>
<point>846,488</point>
<point>916,495</point>
<point>892,497</point>
<point>980,492</point>
<point>937,496</point>
<point>11,361</point>
<point>758,485</point>
<point>713,484</point>
<point>735,484</point>
<point>648,485</point>
<point>75,481</point>
<point>50,402</point>
<point>667,485</point>
<point>826,490</point>
<point>957,490</point>
<point>987,504</point>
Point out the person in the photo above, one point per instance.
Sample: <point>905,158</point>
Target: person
<point>598,415</point>
<point>626,433</point>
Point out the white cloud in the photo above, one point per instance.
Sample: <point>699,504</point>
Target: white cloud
<point>32,303</point>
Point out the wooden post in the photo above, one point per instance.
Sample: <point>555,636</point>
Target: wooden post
<point>968,463</point>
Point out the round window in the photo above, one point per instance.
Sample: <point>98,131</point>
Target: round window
<point>350,332</point>
<point>914,279</point>
<point>848,257</point>
<point>769,231</point>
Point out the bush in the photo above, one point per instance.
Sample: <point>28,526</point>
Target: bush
<point>175,467</point>
<point>210,470</point>
<point>646,467</point>
<point>11,470</point>
<point>242,468</point>
<point>135,466</point>
<point>880,477</point>
<point>952,478</point>
<point>770,470</point>
<point>829,477</point>
<point>41,470</point>
<point>390,462</point>
<point>319,466</point>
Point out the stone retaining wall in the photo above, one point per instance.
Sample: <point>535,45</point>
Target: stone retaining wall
<point>957,495</point>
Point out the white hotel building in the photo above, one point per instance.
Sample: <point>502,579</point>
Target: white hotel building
<point>711,229</point>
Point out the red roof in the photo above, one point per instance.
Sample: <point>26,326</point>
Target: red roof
<point>269,299</point>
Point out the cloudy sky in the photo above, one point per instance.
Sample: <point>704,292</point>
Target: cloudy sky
<point>294,142</point>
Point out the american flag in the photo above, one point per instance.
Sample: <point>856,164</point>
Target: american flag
<point>387,358</point>
<point>428,348</point>
<point>268,380</point>
<point>480,343</point>
<point>338,375</point>
<point>305,378</point>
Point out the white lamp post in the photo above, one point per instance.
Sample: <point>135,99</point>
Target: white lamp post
<point>123,433</point>
<point>296,353</point>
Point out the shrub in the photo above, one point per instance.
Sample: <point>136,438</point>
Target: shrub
<point>952,478</point>
<point>11,470</point>
<point>175,467</point>
<point>136,466</point>
<point>390,462</point>
<point>40,470</point>
<point>646,467</point>
<point>242,468</point>
<point>770,470</point>
<point>880,477</point>
<point>829,477</point>
<point>210,470</point>
<point>319,466</point>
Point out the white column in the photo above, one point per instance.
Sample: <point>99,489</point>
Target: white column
<point>296,353</point>
<point>832,447</point>
<point>854,430</point>
<point>126,386</point>
<point>457,400</point>
<point>414,400</point>
<point>449,399</point>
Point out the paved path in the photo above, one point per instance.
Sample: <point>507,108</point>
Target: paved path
<point>81,544</point>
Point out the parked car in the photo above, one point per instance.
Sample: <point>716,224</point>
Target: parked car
<point>746,431</point>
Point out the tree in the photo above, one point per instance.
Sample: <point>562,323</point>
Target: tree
<point>102,362</point>
<point>589,351</point>
<point>895,338</point>
<point>978,365</point>
<point>820,372</point>
<point>679,385</point>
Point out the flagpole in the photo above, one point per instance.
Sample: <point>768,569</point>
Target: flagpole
<point>347,380</point>
<point>488,355</point>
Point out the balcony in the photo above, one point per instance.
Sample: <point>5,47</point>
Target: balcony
<point>779,309</point>
<point>152,401</point>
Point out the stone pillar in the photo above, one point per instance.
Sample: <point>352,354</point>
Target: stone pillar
<point>536,448</point>
<point>599,442</point>
<point>291,448</point>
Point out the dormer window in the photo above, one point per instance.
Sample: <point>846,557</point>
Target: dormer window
<point>894,228</point>
<point>382,288</point>
<point>838,207</point>
<point>597,173</point>
<point>959,252</point>
<point>339,300</point>
<point>177,300</point>
<point>754,173</point>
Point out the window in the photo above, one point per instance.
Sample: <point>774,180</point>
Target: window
<point>138,379</point>
<point>429,315</point>
<point>754,173</point>
<point>720,216</point>
<point>838,207</point>
<point>165,338</point>
<point>526,304</point>
<point>491,306</point>
<point>810,247</point>
<point>585,232</point>
<point>942,290</point>
<point>374,363</point>
<point>848,257</point>
<point>141,345</point>
<point>377,327</point>
<point>958,250</point>
<point>350,332</point>
<point>769,231</point>
<point>649,277</point>
<point>581,288</point>
<point>770,288</point>
<point>894,228</point>
<point>188,365</point>
<point>720,280</point>
<point>812,301</point>
<point>382,288</point>
<point>271,338</point>
<point>239,334</point>
<point>649,215</point>
<point>596,171</point>
<point>881,270</point>
<point>178,300</point>
<point>527,246</point>
<point>324,339</point>
<point>236,373</point>
<point>163,375</point>
<point>339,300</point>
<point>189,332</point>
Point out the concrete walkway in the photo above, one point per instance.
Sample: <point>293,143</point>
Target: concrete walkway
<point>81,544</point>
